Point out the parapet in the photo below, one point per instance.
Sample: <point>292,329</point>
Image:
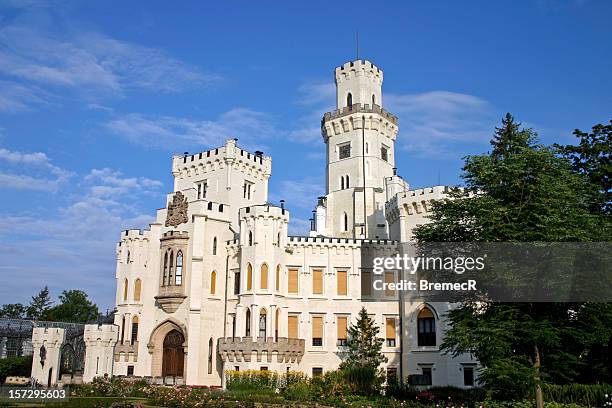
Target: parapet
<point>105,333</point>
<point>265,211</point>
<point>352,69</point>
<point>242,349</point>
<point>174,235</point>
<point>359,116</point>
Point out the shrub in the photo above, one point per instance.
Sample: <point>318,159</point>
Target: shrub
<point>15,366</point>
<point>110,387</point>
<point>591,395</point>
<point>252,380</point>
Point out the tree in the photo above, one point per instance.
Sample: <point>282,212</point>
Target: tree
<point>364,357</point>
<point>521,192</point>
<point>39,304</point>
<point>12,310</point>
<point>591,157</point>
<point>74,307</point>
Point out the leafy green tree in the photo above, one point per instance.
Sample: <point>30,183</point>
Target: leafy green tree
<point>74,307</point>
<point>521,192</point>
<point>39,304</point>
<point>13,310</point>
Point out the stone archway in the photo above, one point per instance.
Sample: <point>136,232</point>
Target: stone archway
<point>156,347</point>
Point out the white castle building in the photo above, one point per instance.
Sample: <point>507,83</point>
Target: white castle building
<point>216,283</point>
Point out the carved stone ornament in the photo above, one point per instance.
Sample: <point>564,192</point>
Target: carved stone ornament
<point>177,210</point>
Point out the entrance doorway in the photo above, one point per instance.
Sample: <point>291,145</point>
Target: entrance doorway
<point>174,355</point>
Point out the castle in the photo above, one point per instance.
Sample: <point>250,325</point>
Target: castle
<point>216,283</point>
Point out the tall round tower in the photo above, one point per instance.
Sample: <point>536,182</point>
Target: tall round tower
<point>360,138</point>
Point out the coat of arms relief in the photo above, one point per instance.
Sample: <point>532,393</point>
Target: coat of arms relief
<point>177,210</point>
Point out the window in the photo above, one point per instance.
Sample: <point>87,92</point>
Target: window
<point>342,283</point>
<point>373,99</point>
<point>213,282</point>
<point>366,283</point>
<point>137,290</point>
<point>276,319</point>
<point>202,186</point>
<point>293,281</point>
<point>344,151</point>
<point>390,331</point>
<point>233,325</point>
<point>246,189</point>
<point>264,276</point>
<point>341,182</point>
<point>292,326</point>
<point>178,279</point>
<point>125,289</point>
<point>122,329</point>
<point>317,331</point>
<point>214,246</point>
<point>317,371</point>
<point>426,326</point>
<point>263,317</point>
<point>237,283</point>
<point>389,279</point>
<point>210,355</point>
<point>171,268</point>
<point>250,238</point>
<point>128,256</point>
<point>367,148</point>
<point>249,277</point>
<point>134,338</point>
<point>130,370</point>
<point>349,100</point>
<point>278,239</point>
<point>345,222</point>
<point>391,375</point>
<point>165,279</point>
<point>384,153</point>
<point>263,368</point>
<point>348,185</point>
<point>247,328</point>
<point>468,376</point>
<point>278,277</point>
<point>317,281</point>
<point>427,380</point>
<point>342,330</point>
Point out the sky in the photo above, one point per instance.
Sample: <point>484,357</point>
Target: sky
<point>96,96</point>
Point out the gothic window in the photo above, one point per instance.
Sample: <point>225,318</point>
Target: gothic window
<point>278,277</point>
<point>341,182</point>
<point>210,355</point>
<point>125,289</point>
<point>247,328</point>
<point>344,151</point>
<point>278,239</point>
<point>345,222</point>
<point>122,329</point>
<point>249,277</point>
<point>165,280</point>
<point>134,338</point>
<point>170,268</point>
<point>276,319</point>
<point>213,282</point>
<point>137,290</point>
<point>384,153</point>
<point>179,268</point>
<point>426,326</point>
<point>214,246</point>
<point>264,276</point>
<point>262,323</point>
<point>347,182</point>
<point>128,256</point>
<point>237,283</point>
<point>250,238</point>
<point>349,100</point>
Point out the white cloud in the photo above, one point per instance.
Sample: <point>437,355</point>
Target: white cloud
<point>252,128</point>
<point>300,194</point>
<point>299,226</point>
<point>15,97</point>
<point>30,171</point>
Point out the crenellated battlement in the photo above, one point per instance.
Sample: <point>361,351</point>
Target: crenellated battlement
<point>174,235</point>
<point>264,211</point>
<point>357,68</point>
<point>356,117</point>
<point>242,349</point>
<point>105,333</point>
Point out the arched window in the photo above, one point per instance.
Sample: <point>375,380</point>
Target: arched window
<point>278,239</point>
<point>247,326</point>
<point>165,280</point>
<point>341,182</point>
<point>179,268</point>
<point>171,268</point>
<point>210,355</point>
<point>262,323</point>
<point>349,100</point>
<point>122,329</point>
<point>373,99</point>
<point>264,276</point>
<point>214,247</point>
<point>125,289</point>
<point>134,337</point>
<point>276,320</point>
<point>128,257</point>
<point>277,278</point>
<point>250,238</point>
<point>137,289</point>
<point>249,277</point>
<point>345,222</point>
<point>213,282</point>
<point>347,182</point>
<point>426,326</point>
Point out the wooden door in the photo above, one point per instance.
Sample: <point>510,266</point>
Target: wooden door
<point>174,356</point>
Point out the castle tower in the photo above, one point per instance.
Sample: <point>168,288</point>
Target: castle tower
<point>360,138</point>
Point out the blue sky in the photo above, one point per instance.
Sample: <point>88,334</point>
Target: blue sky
<point>96,96</point>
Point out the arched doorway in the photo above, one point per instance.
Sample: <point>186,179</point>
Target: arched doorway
<point>173,354</point>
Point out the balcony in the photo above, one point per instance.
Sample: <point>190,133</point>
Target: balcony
<point>242,349</point>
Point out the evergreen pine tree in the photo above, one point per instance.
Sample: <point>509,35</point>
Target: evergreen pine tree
<point>364,345</point>
<point>39,304</point>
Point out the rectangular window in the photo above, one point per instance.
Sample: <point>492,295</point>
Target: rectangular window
<point>202,187</point>
<point>317,281</point>
<point>389,279</point>
<point>344,151</point>
<point>427,380</point>
<point>342,330</point>
<point>391,375</point>
<point>317,371</point>
<point>342,283</point>
<point>390,331</point>
<point>246,189</point>
<point>293,281</point>
<point>264,368</point>
<point>426,329</point>
<point>317,330</point>
<point>366,283</point>
<point>468,376</point>
<point>134,338</point>
<point>236,368</point>
<point>384,153</point>
<point>236,283</point>
<point>292,326</point>
<point>130,370</point>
